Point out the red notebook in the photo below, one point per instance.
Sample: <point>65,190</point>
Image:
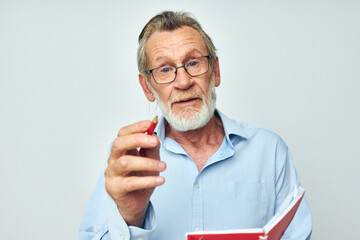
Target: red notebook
<point>273,230</point>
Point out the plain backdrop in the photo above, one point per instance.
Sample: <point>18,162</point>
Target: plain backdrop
<point>68,82</point>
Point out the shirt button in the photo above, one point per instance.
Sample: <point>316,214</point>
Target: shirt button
<point>140,238</point>
<point>197,185</point>
<point>122,237</point>
<point>197,229</point>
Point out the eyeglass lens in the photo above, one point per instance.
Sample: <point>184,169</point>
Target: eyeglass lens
<point>193,67</point>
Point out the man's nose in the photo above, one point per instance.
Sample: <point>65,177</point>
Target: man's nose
<point>183,79</point>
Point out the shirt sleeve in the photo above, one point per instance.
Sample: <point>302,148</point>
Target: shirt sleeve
<point>137,233</point>
<point>286,178</point>
<point>102,220</point>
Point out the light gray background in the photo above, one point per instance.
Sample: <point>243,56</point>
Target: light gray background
<point>68,82</point>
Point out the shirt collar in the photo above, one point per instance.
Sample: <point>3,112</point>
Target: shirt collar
<point>231,127</point>
<point>160,128</point>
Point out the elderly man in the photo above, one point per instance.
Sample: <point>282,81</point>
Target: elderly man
<point>210,172</point>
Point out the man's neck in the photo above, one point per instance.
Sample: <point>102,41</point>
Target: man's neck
<point>200,144</point>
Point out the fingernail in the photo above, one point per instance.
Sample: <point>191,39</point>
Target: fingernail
<point>160,180</point>
<point>153,140</point>
<point>161,165</point>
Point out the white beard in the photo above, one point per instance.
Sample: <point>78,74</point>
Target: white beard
<point>189,118</point>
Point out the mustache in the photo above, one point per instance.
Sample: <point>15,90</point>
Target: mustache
<point>184,96</point>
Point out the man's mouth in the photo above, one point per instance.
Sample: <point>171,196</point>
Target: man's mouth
<point>186,100</point>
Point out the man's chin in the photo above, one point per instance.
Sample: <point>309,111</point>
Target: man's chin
<point>186,113</point>
<point>188,119</point>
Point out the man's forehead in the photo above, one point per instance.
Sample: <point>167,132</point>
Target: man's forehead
<point>185,38</point>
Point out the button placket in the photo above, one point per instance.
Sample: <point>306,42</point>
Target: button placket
<point>197,205</point>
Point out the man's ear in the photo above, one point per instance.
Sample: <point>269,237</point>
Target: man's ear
<point>217,72</point>
<point>144,85</point>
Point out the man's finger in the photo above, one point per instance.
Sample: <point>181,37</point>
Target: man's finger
<point>135,183</point>
<point>129,163</point>
<point>130,142</point>
<point>138,127</point>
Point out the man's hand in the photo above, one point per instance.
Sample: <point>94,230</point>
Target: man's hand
<point>129,178</point>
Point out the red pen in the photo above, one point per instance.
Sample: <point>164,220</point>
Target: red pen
<point>150,131</point>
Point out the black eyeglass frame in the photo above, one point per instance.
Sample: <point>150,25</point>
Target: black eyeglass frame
<point>176,68</point>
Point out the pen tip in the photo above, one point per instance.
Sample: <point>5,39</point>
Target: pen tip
<point>155,120</point>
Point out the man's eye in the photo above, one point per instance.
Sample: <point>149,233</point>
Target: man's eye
<point>192,64</point>
<point>166,70</point>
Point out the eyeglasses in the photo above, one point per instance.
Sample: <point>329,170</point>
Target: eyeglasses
<point>194,67</point>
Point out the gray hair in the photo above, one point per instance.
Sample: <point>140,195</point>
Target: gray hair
<point>169,21</point>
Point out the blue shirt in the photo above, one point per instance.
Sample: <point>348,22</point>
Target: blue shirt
<point>241,186</point>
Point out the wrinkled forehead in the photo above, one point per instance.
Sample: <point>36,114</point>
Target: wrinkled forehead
<point>182,41</point>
